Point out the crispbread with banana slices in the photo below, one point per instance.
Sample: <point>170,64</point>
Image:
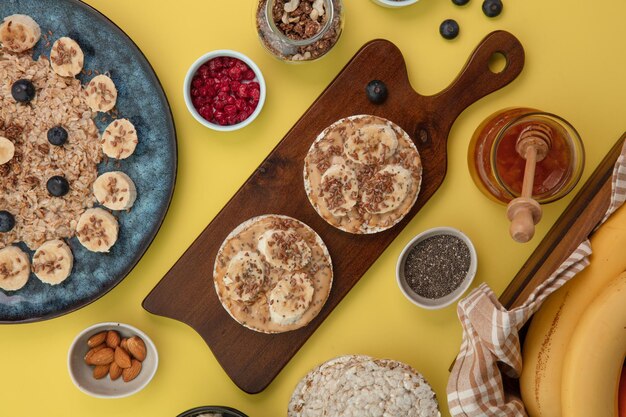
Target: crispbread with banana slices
<point>362,174</point>
<point>273,274</point>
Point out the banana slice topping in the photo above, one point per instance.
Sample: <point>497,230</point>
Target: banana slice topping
<point>101,93</point>
<point>371,144</point>
<point>14,268</point>
<point>53,262</point>
<point>97,230</point>
<point>284,249</point>
<point>340,189</point>
<point>7,150</point>
<point>245,277</point>
<point>66,57</point>
<point>119,139</point>
<point>290,298</point>
<point>115,190</point>
<point>387,189</point>
<point>19,32</point>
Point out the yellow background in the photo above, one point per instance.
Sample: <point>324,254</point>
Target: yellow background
<point>575,67</point>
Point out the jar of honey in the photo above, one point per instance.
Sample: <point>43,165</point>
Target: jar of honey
<point>497,168</point>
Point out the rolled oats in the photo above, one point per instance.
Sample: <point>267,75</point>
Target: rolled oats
<point>59,101</point>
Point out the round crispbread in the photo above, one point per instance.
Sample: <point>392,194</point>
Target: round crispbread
<point>270,327</point>
<point>392,217</point>
<point>358,385</point>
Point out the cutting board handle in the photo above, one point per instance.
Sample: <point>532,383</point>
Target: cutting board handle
<point>476,79</point>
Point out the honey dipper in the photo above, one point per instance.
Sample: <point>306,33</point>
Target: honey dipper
<point>533,144</point>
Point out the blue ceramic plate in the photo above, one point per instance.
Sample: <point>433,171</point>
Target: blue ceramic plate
<point>152,167</point>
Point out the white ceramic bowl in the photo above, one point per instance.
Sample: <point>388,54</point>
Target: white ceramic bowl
<point>395,4</point>
<point>207,57</point>
<point>81,373</point>
<point>430,303</point>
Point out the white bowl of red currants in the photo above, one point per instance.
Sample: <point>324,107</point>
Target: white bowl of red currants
<point>224,90</point>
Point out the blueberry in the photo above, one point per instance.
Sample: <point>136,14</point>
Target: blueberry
<point>57,136</point>
<point>492,8</point>
<point>23,91</point>
<point>58,186</point>
<point>460,2</point>
<point>376,91</point>
<point>7,221</point>
<point>449,29</point>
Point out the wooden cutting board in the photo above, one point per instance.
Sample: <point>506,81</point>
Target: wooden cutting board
<point>186,293</point>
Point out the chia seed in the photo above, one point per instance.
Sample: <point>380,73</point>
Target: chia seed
<point>437,266</point>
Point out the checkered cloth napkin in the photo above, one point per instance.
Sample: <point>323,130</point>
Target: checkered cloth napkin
<point>491,343</point>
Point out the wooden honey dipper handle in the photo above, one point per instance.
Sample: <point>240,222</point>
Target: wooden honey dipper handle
<point>533,144</point>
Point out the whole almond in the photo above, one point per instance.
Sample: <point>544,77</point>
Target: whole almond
<point>124,343</point>
<point>102,357</point>
<point>91,352</point>
<point>122,358</point>
<point>112,339</point>
<point>100,371</point>
<point>131,373</point>
<point>96,339</point>
<point>137,348</point>
<point>115,371</point>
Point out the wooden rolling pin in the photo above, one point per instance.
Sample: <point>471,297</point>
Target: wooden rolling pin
<point>533,144</point>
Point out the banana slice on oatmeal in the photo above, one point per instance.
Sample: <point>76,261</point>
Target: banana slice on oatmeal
<point>7,150</point>
<point>19,32</point>
<point>53,262</point>
<point>66,57</point>
<point>290,298</point>
<point>119,139</point>
<point>14,268</point>
<point>284,249</point>
<point>97,230</point>
<point>115,190</point>
<point>101,93</point>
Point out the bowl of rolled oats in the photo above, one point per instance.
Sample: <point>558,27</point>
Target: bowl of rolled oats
<point>74,219</point>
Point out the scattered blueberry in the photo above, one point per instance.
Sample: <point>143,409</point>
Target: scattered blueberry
<point>449,29</point>
<point>376,91</point>
<point>58,186</point>
<point>7,221</point>
<point>23,91</point>
<point>57,136</point>
<point>460,2</point>
<point>492,8</point>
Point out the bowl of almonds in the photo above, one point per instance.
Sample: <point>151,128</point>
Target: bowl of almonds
<point>112,360</point>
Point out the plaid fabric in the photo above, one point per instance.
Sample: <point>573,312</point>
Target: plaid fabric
<point>491,345</point>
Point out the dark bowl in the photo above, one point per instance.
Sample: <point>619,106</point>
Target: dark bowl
<point>225,411</point>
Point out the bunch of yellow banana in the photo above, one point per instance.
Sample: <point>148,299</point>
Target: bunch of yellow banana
<point>575,347</point>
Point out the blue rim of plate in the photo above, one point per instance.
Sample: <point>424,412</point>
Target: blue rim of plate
<point>172,167</point>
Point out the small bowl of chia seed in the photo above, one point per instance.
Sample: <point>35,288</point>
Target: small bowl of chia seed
<point>436,267</point>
